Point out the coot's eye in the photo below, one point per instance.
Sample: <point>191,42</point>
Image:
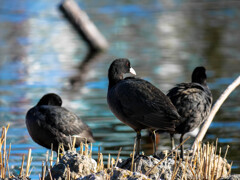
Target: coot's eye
<point>127,64</point>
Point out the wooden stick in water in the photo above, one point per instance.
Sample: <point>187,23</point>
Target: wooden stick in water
<point>214,110</point>
<point>84,25</point>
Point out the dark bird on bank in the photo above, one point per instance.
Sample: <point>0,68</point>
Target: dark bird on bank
<point>138,103</point>
<point>193,102</point>
<point>49,123</point>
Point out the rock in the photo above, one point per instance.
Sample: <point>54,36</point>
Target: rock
<point>169,168</point>
<point>79,166</point>
<point>75,166</point>
<point>115,173</point>
<point>162,171</point>
<point>16,178</point>
<point>232,177</point>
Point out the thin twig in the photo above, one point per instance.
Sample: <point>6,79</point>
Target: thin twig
<point>9,150</point>
<point>133,154</point>
<point>109,159</point>
<point>219,156</point>
<point>74,143</point>
<point>28,162</point>
<point>50,174</point>
<point>175,172</point>
<point>119,152</point>
<point>90,152</point>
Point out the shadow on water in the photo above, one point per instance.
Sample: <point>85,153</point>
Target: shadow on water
<point>164,40</point>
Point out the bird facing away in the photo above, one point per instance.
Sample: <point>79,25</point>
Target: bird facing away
<point>138,103</point>
<point>193,102</point>
<point>49,123</point>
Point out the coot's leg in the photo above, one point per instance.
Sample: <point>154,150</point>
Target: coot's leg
<point>172,140</point>
<point>138,145</point>
<point>181,140</point>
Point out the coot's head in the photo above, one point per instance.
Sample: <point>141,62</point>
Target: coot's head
<point>199,75</point>
<point>117,69</point>
<point>50,99</point>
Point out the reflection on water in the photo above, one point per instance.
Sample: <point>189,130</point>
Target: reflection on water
<point>164,40</point>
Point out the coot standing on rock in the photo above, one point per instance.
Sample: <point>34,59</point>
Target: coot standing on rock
<point>48,122</point>
<point>193,102</point>
<point>138,103</point>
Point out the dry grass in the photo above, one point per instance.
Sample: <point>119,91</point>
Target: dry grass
<point>203,163</point>
<point>207,163</point>
<point>5,155</point>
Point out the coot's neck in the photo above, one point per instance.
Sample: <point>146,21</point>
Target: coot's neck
<point>201,81</point>
<point>114,76</point>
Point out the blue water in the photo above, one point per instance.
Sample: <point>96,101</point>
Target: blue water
<point>165,40</point>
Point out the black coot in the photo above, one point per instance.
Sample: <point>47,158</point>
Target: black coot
<point>138,103</point>
<point>48,122</point>
<point>193,102</point>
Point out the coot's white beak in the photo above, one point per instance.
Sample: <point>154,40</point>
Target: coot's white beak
<point>132,71</point>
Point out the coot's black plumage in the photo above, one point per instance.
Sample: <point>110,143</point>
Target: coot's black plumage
<point>48,122</point>
<point>138,103</point>
<point>193,102</point>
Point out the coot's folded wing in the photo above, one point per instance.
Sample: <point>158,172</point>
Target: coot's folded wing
<point>191,99</point>
<point>147,104</point>
<point>58,120</point>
